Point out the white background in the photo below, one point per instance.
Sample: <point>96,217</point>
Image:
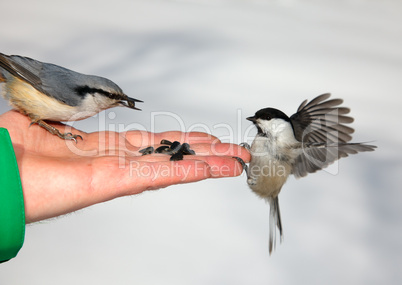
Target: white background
<point>217,62</point>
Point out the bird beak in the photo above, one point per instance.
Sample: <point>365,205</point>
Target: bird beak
<point>253,119</point>
<point>133,99</point>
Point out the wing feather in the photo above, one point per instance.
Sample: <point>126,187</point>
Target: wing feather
<point>29,72</point>
<point>320,126</point>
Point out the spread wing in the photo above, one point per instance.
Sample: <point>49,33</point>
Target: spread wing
<point>320,126</point>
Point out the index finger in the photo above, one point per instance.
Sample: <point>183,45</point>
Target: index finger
<point>142,138</point>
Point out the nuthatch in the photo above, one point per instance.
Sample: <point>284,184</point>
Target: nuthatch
<point>311,139</point>
<point>45,91</point>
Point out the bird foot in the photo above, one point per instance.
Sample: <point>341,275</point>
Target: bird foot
<point>68,136</point>
<point>245,145</point>
<point>243,164</point>
<point>54,131</point>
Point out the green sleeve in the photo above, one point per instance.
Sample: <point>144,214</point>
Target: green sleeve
<point>12,212</point>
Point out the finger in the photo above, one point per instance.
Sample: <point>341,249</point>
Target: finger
<point>189,137</point>
<point>219,166</point>
<point>155,175</point>
<point>222,149</point>
<point>142,138</point>
<point>155,157</point>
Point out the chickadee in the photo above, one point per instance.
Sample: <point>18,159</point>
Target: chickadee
<point>45,91</point>
<point>311,139</point>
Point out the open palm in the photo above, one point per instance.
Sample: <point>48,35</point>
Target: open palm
<point>61,176</point>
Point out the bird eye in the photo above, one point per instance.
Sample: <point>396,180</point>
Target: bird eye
<point>268,117</point>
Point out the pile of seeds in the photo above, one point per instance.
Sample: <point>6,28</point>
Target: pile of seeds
<point>175,149</point>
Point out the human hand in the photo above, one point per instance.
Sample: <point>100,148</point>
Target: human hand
<point>60,177</point>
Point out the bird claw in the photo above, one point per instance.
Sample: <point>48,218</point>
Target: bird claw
<point>245,145</point>
<point>70,136</point>
<point>241,161</point>
<point>243,164</point>
<point>53,130</point>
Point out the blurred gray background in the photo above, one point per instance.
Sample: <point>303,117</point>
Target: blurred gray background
<point>214,63</point>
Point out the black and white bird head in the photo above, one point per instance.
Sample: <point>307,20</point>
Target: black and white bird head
<point>272,122</point>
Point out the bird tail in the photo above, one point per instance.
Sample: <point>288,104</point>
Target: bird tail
<point>274,221</point>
